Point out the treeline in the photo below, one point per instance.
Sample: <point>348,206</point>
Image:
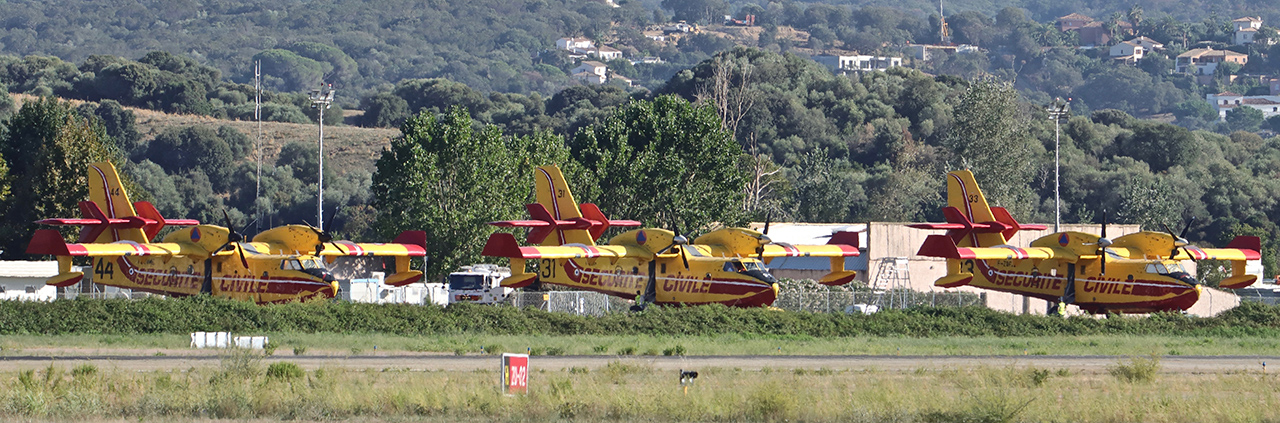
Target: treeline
<point>158,81</point>
<point>185,315</point>
<point>491,45</point>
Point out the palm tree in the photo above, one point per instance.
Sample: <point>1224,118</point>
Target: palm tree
<point>1135,16</point>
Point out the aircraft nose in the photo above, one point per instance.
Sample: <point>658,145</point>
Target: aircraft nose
<point>333,289</point>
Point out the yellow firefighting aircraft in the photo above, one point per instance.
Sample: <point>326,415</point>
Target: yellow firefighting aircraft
<point>280,264</point>
<point>1136,273</point>
<point>650,265</point>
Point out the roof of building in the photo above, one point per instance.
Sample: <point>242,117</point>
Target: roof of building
<point>1201,52</point>
<point>1258,101</point>
<point>576,39</point>
<point>1144,38</point>
<point>28,269</point>
<point>1248,19</point>
<point>1075,17</point>
<point>1248,30</point>
<point>607,49</point>
<point>1227,94</point>
<point>595,64</point>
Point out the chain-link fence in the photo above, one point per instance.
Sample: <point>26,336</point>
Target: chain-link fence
<point>848,302</point>
<point>582,303</point>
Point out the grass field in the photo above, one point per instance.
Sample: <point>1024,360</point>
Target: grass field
<point>340,344</point>
<point>248,387</point>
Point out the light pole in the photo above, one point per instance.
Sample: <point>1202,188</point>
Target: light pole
<point>321,99</point>
<point>1058,110</point>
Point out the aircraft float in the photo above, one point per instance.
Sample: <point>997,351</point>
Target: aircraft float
<point>1135,273</point>
<point>282,264</point>
<point>653,266</point>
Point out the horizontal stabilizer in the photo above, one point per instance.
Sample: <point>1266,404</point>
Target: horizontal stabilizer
<point>600,223</point>
<point>952,281</point>
<point>519,281</point>
<point>543,224</point>
<point>96,221</point>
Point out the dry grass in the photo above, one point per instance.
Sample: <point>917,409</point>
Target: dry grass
<point>240,389</point>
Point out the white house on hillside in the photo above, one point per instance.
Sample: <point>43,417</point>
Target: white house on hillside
<point>1223,102</point>
<point>572,43</point>
<point>1128,51</point>
<point>1246,29</point>
<point>857,63</point>
<point>591,72</point>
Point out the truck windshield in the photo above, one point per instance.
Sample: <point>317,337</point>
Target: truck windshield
<point>466,282</point>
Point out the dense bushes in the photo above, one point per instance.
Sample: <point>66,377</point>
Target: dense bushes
<point>211,314</point>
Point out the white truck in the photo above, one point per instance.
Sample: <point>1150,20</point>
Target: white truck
<point>479,283</point>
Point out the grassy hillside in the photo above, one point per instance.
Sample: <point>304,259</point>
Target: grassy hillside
<point>346,147</point>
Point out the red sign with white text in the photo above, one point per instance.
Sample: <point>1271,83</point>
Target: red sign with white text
<point>515,373</point>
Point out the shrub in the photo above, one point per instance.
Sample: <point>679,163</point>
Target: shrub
<point>300,350</point>
<point>284,370</point>
<point>1137,369</point>
<point>84,370</point>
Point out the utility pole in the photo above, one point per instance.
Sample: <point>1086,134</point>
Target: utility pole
<point>321,99</point>
<point>1057,110</point>
<point>257,115</point>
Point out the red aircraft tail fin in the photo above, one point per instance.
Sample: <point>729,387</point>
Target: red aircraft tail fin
<point>600,223</point>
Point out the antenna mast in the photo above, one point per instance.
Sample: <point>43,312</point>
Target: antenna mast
<point>257,115</point>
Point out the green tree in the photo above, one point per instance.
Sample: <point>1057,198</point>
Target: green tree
<point>446,177</point>
<point>991,136</point>
<point>824,190</point>
<point>47,149</point>
<point>179,150</point>
<point>383,110</point>
<point>1161,145</point>
<point>1244,118</point>
<point>666,162</point>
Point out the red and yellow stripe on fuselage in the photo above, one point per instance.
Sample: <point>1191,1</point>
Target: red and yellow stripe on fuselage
<point>626,278</point>
<point>1138,292</point>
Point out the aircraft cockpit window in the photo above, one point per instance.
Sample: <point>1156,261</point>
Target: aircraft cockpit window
<point>753,265</point>
<point>1175,268</point>
<point>290,264</point>
<point>312,263</point>
<point>1157,268</point>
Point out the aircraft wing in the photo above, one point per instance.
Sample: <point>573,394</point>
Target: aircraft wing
<point>408,244</point>
<point>348,248</point>
<point>943,246</point>
<point>1241,248</point>
<point>50,242</point>
<point>503,244</point>
<point>779,249</point>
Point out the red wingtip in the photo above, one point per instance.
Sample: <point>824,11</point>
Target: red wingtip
<point>849,238</point>
<point>1246,243</point>
<point>48,242</point>
<point>501,244</point>
<point>418,238</point>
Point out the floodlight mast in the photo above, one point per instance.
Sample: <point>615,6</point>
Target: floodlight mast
<point>1057,110</point>
<point>321,99</point>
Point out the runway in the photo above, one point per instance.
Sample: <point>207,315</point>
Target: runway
<point>441,362</point>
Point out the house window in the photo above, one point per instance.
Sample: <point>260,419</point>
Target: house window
<point>2,289</point>
<point>31,289</point>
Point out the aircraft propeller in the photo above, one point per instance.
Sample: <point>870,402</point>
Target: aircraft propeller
<point>764,239</point>
<point>1103,243</point>
<point>1179,240</point>
<point>322,235</point>
<point>234,237</point>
